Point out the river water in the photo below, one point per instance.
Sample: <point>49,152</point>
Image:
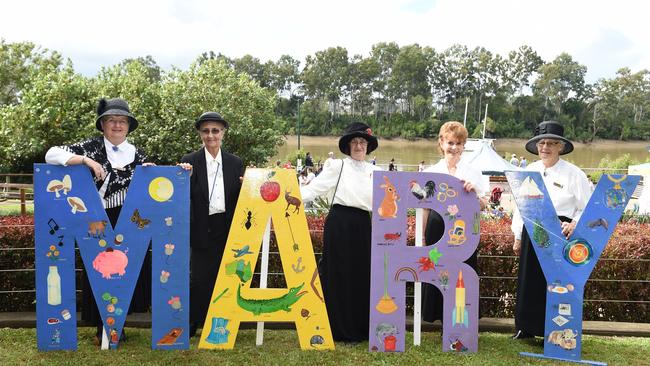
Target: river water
<point>408,154</point>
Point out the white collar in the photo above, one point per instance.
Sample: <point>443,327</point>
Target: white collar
<point>209,158</point>
<point>121,147</point>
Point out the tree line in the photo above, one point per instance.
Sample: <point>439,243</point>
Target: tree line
<point>407,91</point>
<point>401,91</point>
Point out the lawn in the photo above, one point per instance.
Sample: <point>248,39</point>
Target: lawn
<point>12,207</point>
<point>18,347</point>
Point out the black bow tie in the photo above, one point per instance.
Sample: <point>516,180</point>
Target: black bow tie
<point>115,148</point>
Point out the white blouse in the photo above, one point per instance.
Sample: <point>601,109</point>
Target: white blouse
<point>463,172</point>
<point>568,187</point>
<point>355,186</point>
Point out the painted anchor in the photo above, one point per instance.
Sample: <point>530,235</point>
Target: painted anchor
<point>297,267</point>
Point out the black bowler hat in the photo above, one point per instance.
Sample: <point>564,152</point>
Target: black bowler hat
<point>114,107</point>
<point>357,129</point>
<point>549,130</point>
<point>210,117</point>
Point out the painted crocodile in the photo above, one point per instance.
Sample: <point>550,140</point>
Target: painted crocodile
<point>259,306</point>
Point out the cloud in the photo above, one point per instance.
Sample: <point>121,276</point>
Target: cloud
<point>601,35</point>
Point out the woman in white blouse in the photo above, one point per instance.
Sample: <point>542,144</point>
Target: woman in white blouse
<point>112,161</point>
<point>569,189</point>
<point>451,143</point>
<point>345,264</point>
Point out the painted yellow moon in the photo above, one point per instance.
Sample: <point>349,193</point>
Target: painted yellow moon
<point>161,189</point>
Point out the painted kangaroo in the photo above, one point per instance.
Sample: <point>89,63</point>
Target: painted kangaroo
<point>388,207</point>
<point>259,306</point>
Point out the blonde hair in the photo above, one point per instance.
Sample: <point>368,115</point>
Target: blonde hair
<point>454,130</point>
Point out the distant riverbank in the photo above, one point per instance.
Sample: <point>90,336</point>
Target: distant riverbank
<point>411,152</point>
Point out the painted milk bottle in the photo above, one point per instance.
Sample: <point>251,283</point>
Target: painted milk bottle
<point>53,286</point>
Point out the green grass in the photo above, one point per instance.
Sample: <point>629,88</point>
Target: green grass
<point>18,347</point>
<point>12,207</point>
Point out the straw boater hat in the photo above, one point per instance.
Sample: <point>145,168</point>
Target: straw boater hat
<point>114,107</point>
<point>210,117</point>
<point>549,130</point>
<point>357,129</point>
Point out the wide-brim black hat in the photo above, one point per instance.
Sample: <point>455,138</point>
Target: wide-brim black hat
<point>210,117</point>
<point>357,129</point>
<point>114,107</point>
<point>549,130</point>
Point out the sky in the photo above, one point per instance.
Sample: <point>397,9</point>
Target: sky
<point>602,35</point>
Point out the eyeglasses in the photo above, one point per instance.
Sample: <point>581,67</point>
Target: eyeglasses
<point>117,121</point>
<point>547,143</point>
<point>214,131</point>
<point>359,141</point>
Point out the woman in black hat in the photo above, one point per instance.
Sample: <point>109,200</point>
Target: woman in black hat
<point>214,189</point>
<point>569,189</point>
<point>112,161</point>
<point>345,264</point>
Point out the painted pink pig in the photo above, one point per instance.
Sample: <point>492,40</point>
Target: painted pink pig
<point>112,261</point>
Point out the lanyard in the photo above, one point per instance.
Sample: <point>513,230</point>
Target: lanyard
<point>214,183</point>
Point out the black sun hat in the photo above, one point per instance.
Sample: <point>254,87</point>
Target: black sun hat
<point>357,129</point>
<point>210,117</point>
<point>549,130</point>
<point>114,107</point>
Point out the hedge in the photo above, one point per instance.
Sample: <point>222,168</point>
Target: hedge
<point>619,265</point>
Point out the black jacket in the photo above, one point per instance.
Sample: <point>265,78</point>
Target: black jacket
<point>233,168</point>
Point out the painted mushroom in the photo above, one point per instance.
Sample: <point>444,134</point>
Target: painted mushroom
<point>67,184</point>
<point>55,186</point>
<point>77,205</point>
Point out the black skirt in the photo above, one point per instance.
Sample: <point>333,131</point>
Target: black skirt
<point>345,272</point>
<point>432,300</point>
<point>141,301</point>
<point>530,310</point>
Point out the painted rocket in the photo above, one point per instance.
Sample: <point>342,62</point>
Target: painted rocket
<point>459,315</point>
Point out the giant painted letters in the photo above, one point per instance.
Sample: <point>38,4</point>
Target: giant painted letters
<point>68,210</point>
<point>268,193</point>
<point>567,264</point>
<point>441,264</point>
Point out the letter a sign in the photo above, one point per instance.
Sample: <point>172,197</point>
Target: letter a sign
<point>268,193</point>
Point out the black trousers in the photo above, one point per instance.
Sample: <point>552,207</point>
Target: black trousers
<point>204,266</point>
<point>530,311</point>
<point>345,272</point>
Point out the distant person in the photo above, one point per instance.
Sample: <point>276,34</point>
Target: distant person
<point>513,160</point>
<point>421,166</point>
<point>330,157</point>
<point>308,161</point>
<point>374,160</point>
<point>278,164</point>
<point>569,190</point>
<point>306,176</point>
<point>391,165</point>
<point>522,162</point>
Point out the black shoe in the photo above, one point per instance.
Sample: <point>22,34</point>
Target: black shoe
<point>522,335</point>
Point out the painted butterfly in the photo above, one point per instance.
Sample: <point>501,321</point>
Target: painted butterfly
<point>139,220</point>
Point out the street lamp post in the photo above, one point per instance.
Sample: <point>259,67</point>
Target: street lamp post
<point>298,122</point>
